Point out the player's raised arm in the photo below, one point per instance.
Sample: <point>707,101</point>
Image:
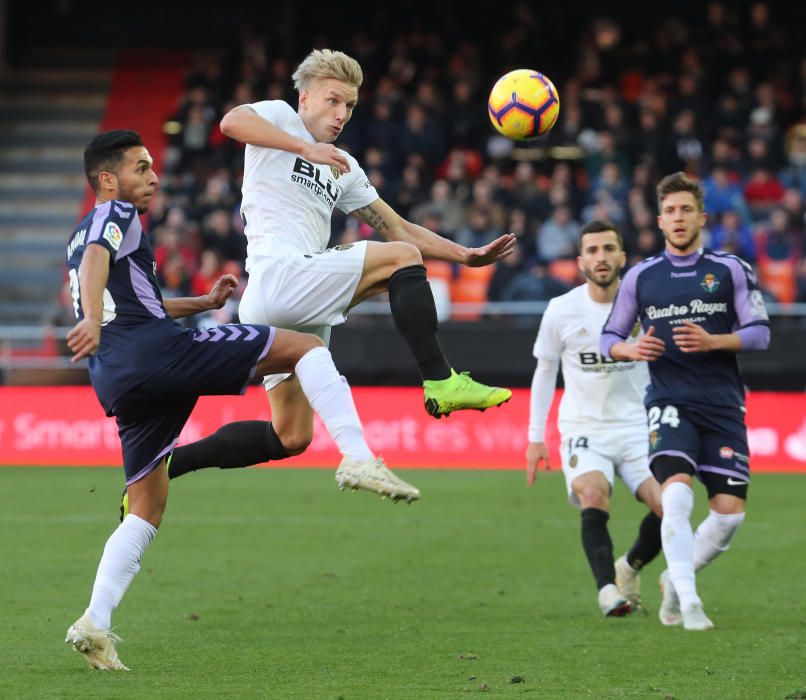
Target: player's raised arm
<point>244,124</point>
<point>84,338</point>
<point>394,227</point>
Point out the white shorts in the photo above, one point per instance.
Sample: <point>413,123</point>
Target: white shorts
<point>308,293</point>
<point>622,452</point>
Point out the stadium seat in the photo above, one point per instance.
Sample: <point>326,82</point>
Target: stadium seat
<point>778,278</point>
<point>439,270</point>
<point>565,271</point>
<point>471,287</point>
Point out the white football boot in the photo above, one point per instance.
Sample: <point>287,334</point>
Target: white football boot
<point>612,603</point>
<point>669,612</point>
<point>373,475</point>
<point>628,582</point>
<point>97,646</point>
<point>694,618</point>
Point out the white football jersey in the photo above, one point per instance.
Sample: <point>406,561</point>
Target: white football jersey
<point>287,201</point>
<point>599,393</point>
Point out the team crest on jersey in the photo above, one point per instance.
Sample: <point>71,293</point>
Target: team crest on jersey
<point>113,234</point>
<point>654,440</point>
<point>726,452</point>
<point>710,283</point>
<point>636,329</point>
<point>335,172</point>
<point>573,461</point>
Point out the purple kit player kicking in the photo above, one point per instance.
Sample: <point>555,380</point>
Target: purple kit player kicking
<point>148,372</point>
<point>698,308</point>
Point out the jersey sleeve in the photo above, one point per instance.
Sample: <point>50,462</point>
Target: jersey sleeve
<point>276,112</point>
<point>747,299</point>
<point>623,315</point>
<point>116,227</point>
<point>548,345</point>
<point>357,190</point>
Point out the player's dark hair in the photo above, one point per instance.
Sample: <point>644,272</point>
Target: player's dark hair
<point>680,182</point>
<point>105,152</point>
<point>600,226</point>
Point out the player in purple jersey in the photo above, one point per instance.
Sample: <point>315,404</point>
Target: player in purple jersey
<point>698,308</point>
<point>148,372</point>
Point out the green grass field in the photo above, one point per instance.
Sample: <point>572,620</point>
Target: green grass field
<point>272,584</point>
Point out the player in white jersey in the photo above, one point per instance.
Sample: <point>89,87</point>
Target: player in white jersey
<point>293,179</point>
<point>602,420</point>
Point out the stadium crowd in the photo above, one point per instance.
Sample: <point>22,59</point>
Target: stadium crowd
<point>724,101</point>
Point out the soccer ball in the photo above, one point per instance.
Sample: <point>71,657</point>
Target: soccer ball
<point>523,105</point>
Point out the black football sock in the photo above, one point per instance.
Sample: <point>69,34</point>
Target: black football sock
<point>415,316</point>
<point>648,544</point>
<point>233,445</point>
<point>598,546</point>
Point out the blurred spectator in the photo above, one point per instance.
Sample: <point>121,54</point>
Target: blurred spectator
<point>210,269</point>
<point>506,271</point>
<point>762,192</point>
<point>794,174</point>
<point>557,238</point>
<point>534,285</point>
<point>478,229</point>
<point>724,193</point>
<point>731,235</point>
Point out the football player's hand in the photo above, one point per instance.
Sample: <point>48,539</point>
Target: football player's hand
<point>487,254</point>
<point>327,154</point>
<point>221,291</point>
<point>649,347</point>
<point>536,453</point>
<point>84,339</point>
<point>690,337</point>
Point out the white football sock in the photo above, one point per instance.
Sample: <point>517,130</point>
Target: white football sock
<point>678,540</point>
<point>329,394</point>
<point>119,565</point>
<point>713,536</point>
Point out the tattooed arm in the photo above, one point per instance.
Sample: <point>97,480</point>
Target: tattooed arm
<point>393,227</point>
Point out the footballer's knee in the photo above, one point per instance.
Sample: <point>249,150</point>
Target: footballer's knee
<point>593,497</point>
<point>288,348</point>
<point>406,255</point>
<point>295,441</point>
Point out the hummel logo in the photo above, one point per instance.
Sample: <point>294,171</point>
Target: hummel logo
<point>736,482</point>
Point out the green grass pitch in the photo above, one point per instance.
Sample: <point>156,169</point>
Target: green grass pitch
<point>272,584</point>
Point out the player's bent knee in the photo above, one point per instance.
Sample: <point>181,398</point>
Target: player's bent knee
<point>295,443</point>
<point>400,254</point>
<point>592,497</point>
<point>288,348</point>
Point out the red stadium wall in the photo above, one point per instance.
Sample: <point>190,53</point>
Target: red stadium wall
<point>66,426</point>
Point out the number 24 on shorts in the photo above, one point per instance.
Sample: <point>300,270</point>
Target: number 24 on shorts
<point>666,416</point>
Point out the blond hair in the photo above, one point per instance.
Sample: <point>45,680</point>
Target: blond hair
<point>325,64</point>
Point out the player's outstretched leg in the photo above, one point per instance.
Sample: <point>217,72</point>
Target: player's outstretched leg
<point>415,315</point>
